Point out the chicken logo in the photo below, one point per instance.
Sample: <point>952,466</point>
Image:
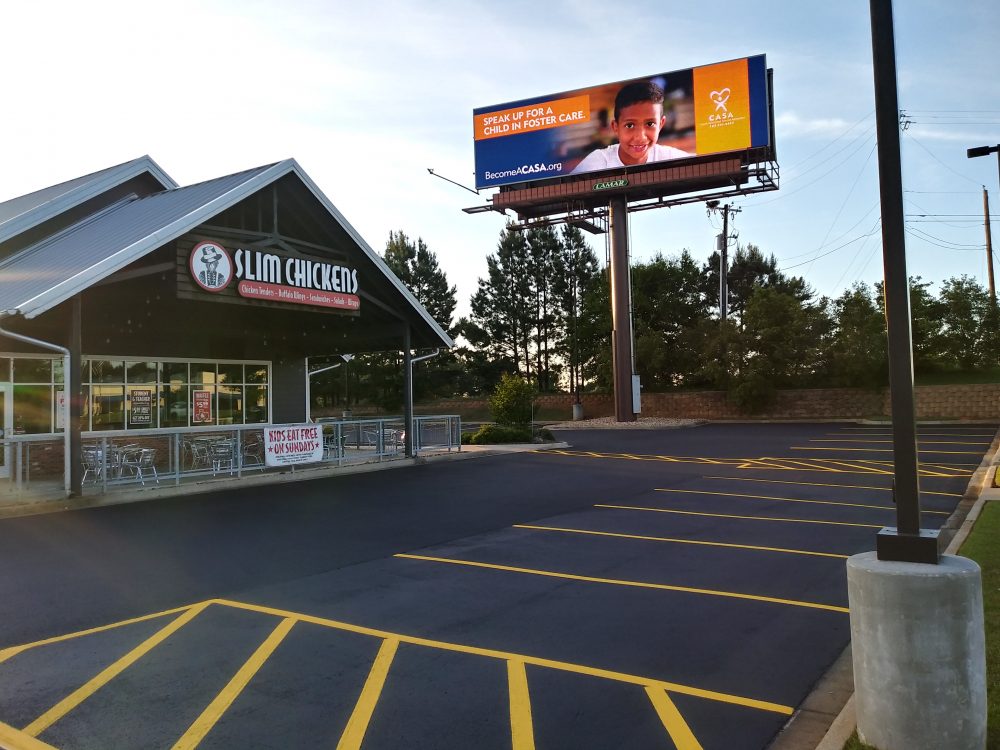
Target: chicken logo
<point>211,266</point>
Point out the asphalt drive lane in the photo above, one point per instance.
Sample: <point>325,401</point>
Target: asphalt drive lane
<point>379,551</point>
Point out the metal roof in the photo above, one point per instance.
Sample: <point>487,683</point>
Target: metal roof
<point>43,275</point>
<point>20,214</point>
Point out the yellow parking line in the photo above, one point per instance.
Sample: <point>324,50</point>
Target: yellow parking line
<point>81,694</point>
<point>561,666</point>
<point>620,582</point>
<point>15,739</point>
<point>7,653</point>
<point>821,484</point>
<point>796,500</point>
<point>674,723</point>
<point>919,441</point>
<point>883,468</point>
<point>357,725</point>
<point>204,723</point>
<point>743,518</point>
<point>522,732</point>
<point>881,450</point>
<point>753,547</point>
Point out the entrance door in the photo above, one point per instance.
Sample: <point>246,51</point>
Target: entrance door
<point>6,429</point>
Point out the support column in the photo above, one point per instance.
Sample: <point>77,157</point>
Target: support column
<point>621,313</point>
<point>407,391</point>
<point>74,394</point>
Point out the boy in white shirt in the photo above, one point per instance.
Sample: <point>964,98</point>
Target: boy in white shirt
<point>638,120</point>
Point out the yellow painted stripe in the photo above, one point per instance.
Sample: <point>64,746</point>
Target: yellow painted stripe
<point>522,732</point>
<point>620,582</point>
<point>881,450</point>
<point>820,484</point>
<point>742,518</point>
<point>562,666</point>
<point>7,653</point>
<point>796,500</point>
<point>204,723</point>
<point>879,433</point>
<point>753,547</point>
<point>15,739</point>
<point>357,725</point>
<point>674,723</point>
<point>81,694</point>
<point>919,441</point>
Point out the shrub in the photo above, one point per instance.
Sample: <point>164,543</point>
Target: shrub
<point>490,434</point>
<point>511,401</point>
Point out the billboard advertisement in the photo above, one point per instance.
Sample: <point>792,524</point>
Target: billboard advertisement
<point>685,114</point>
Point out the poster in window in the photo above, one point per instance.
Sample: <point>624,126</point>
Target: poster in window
<point>202,407</point>
<point>142,407</point>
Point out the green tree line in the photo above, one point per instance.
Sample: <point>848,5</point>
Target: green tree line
<point>543,312</point>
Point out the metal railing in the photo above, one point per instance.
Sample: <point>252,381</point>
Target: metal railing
<point>119,459</point>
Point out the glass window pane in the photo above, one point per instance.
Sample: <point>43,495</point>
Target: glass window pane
<point>203,373</point>
<point>107,404</point>
<point>256,374</point>
<point>57,371</point>
<point>85,372</point>
<point>85,408</point>
<point>140,408</point>
<point>203,407</point>
<point>231,374</point>
<point>105,371</point>
<point>32,370</point>
<point>4,369</point>
<point>175,372</point>
<point>174,406</point>
<point>256,408</point>
<point>141,372</point>
<point>32,409</point>
<point>230,404</point>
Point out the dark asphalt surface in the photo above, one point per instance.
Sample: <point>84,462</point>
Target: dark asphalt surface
<point>748,615</point>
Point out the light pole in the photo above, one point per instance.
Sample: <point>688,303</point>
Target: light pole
<point>972,153</point>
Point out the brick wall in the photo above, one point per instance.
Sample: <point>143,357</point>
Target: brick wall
<point>932,402</point>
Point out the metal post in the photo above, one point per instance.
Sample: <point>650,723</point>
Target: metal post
<point>989,245</point>
<point>621,335</point>
<point>407,391</point>
<point>906,542</point>
<point>74,395</point>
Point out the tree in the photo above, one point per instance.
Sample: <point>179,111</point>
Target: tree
<point>964,308</point>
<point>543,257</point>
<point>857,352</point>
<point>502,306</point>
<point>576,272</point>
<point>417,267</point>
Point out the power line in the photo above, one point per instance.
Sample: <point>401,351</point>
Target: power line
<point>933,156</point>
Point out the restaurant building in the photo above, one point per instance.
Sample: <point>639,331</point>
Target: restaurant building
<point>128,302</point>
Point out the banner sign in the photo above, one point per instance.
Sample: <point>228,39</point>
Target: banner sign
<point>142,406</point>
<point>293,444</point>
<point>685,114</point>
<point>263,274</point>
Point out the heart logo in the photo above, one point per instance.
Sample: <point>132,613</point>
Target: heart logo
<point>720,98</point>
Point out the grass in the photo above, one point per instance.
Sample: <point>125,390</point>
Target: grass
<point>853,743</point>
<point>983,546</point>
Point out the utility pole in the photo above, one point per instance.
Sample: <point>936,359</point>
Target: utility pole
<point>989,247</point>
<point>723,254</point>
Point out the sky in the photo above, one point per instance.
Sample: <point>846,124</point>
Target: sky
<point>368,96</point>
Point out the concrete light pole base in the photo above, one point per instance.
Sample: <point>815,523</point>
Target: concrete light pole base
<point>919,653</point>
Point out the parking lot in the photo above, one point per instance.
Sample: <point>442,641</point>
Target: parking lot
<point>639,589</point>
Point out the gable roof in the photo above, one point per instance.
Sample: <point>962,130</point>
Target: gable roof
<point>51,271</point>
<point>20,214</point>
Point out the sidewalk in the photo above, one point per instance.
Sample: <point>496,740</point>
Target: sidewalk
<point>53,500</point>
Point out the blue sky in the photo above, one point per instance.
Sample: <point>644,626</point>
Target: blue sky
<point>367,96</point>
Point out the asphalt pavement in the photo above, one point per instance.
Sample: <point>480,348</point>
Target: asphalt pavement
<point>638,589</point>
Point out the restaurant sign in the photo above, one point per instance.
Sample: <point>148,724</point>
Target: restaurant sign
<point>274,277</point>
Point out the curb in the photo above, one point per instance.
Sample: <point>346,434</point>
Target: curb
<point>977,494</point>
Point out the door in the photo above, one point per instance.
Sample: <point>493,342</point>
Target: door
<point>6,429</point>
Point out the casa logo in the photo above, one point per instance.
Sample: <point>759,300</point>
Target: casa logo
<point>211,267</point>
<point>719,99</point>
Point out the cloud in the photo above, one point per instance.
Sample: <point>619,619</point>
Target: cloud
<point>791,124</point>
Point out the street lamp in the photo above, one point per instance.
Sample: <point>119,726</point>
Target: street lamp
<point>972,153</point>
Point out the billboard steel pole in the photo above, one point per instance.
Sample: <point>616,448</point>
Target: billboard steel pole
<point>906,542</point>
<point>621,334</point>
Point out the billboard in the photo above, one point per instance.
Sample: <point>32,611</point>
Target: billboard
<point>712,109</point>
